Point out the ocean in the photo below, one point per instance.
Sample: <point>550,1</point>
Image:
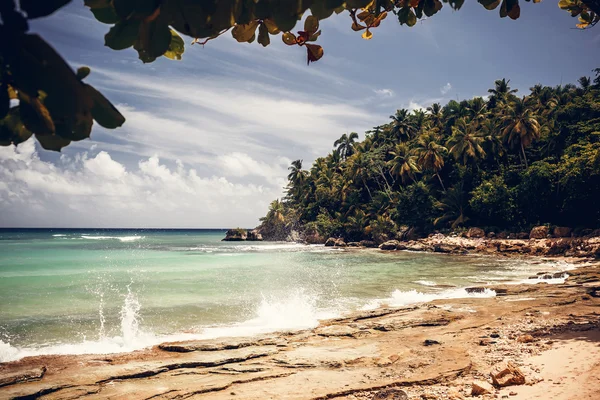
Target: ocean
<point>82,291</point>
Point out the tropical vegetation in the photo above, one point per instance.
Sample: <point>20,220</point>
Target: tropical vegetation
<point>506,162</point>
<point>41,96</point>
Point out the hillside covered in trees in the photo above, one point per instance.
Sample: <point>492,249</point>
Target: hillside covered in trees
<point>507,163</point>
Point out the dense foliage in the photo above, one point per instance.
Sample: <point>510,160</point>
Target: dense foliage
<point>505,163</point>
<point>41,95</point>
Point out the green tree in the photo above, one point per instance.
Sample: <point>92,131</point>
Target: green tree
<point>430,155</point>
<point>403,165</point>
<point>520,125</point>
<point>345,144</point>
<point>403,127</point>
<point>465,144</point>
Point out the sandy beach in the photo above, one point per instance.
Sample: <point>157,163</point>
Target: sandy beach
<point>445,349</point>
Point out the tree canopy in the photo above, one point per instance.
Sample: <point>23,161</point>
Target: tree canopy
<point>507,163</point>
<point>52,102</point>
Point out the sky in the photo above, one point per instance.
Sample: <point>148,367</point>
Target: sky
<point>208,139</point>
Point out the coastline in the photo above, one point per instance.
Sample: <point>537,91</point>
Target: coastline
<point>342,346</point>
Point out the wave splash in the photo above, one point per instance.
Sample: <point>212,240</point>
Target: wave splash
<point>121,238</point>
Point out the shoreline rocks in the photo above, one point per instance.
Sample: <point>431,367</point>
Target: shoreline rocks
<point>241,235</point>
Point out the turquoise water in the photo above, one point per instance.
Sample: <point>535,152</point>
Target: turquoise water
<point>98,291</point>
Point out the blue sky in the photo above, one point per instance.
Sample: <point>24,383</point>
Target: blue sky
<point>208,139</point>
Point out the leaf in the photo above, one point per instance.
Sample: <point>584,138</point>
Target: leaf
<point>357,27</point>
<point>176,47</point>
<point>367,35</point>
<point>52,142</point>
<point>412,18</point>
<point>12,130</point>
<point>314,36</point>
<point>515,12</point>
<point>83,72</point>
<point>320,10</point>
<point>489,4</point>
<point>41,8</point>
<point>314,51</point>
<point>263,35</point>
<point>431,7</point>
<point>357,3</point>
<point>103,111</point>
<point>123,35</point>
<point>106,15</point>
<point>153,40</point>
<point>243,33</point>
<point>35,116</point>
<point>4,101</point>
<point>289,38</point>
<point>311,25</point>
<point>271,27</point>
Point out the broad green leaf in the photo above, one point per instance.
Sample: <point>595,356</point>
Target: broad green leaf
<point>243,33</point>
<point>489,4</point>
<point>41,8</point>
<point>412,18</point>
<point>430,7</point>
<point>123,35</point>
<point>35,116</point>
<point>285,14</point>
<point>4,101</point>
<point>153,40</point>
<point>52,142</point>
<point>311,24</point>
<point>289,38</point>
<point>83,72</point>
<point>103,111</point>
<point>176,47</point>
<point>263,35</point>
<point>106,15</point>
<point>357,3</point>
<point>320,11</point>
<point>141,8</point>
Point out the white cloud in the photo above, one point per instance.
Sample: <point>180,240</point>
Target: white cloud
<point>384,92</point>
<point>101,192</point>
<point>412,106</point>
<point>446,88</point>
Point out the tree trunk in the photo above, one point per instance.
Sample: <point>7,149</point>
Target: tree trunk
<point>367,187</point>
<point>441,183</point>
<point>524,157</point>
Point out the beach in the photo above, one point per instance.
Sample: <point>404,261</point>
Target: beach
<point>438,349</point>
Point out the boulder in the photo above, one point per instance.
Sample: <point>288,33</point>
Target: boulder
<point>368,243</point>
<point>254,235</point>
<point>561,232</point>
<point>477,289</point>
<point>340,243</point>
<point>313,238</point>
<point>525,339</point>
<point>353,244</point>
<point>390,245</point>
<point>491,235</point>
<point>508,376</point>
<point>236,235</point>
<point>522,235</point>
<point>559,247</point>
<point>479,388</point>
<point>475,233</point>
<point>391,394</point>
<point>415,246</point>
<point>539,232</point>
<point>448,248</point>
<point>330,242</point>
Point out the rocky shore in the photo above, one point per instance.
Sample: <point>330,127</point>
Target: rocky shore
<point>539,242</point>
<point>530,341</point>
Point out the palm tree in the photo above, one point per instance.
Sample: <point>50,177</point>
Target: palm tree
<point>501,91</point>
<point>403,127</point>
<point>453,205</point>
<point>585,82</point>
<point>345,144</point>
<point>430,155</point>
<point>275,213</point>
<point>520,125</point>
<point>297,178</point>
<point>465,144</point>
<point>359,168</point>
<point>492,141</point>
<point>477,109</point>
<point>435,114</point>
<point>403,164</point>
